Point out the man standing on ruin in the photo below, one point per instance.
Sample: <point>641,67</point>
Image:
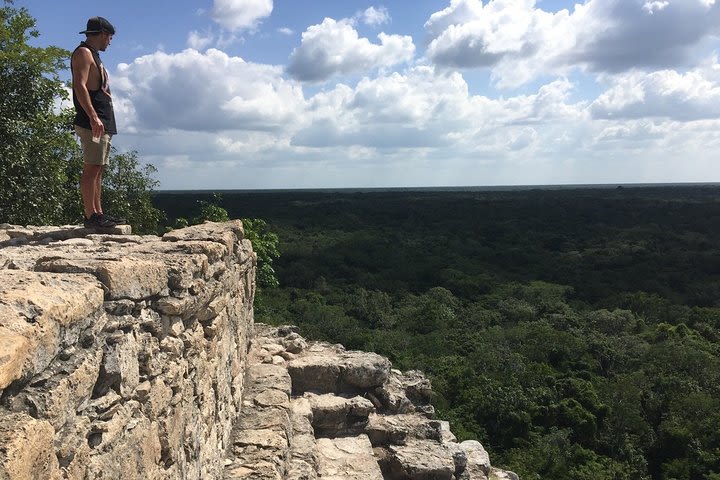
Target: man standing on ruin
<point>94,117</point>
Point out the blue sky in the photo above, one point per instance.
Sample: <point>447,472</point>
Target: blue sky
<point>222,94</point>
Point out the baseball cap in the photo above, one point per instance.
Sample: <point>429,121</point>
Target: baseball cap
<point>99,25</point>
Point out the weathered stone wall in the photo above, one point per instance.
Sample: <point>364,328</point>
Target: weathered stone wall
<point>122,356</point>
<point>127,357</point>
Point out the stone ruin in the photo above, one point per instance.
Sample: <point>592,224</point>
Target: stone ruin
<point>126,356</point>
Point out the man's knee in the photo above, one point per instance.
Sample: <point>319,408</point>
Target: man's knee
<point>92,171</point>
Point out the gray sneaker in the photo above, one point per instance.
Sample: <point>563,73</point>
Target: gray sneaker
<point>98,220</point>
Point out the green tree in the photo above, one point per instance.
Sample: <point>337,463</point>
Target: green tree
<point>127,191</point>
<point>211,211</point>
<point>36,145</point>
<point>265,243</point>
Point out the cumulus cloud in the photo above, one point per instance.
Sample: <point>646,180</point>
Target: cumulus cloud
<point>334,47</point>
<point>426,108</point>
<point>519,41</point>
<point>240,14</point>
<point>624,35</point>
<point>208,91</point>
<point>375,16</point>
<point>199,41</point>
<point>667,93</point>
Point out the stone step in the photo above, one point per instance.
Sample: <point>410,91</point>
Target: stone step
<point>262,433</point>
<point>347,458</point>
<point>319,412</point>
<point>328,369</point>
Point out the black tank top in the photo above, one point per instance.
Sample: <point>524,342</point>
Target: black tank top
<point>101,99</point>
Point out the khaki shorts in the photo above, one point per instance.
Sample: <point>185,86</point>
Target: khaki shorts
<point>94,153</point>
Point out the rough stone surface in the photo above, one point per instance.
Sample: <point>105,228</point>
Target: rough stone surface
<point>122,356</point>
<point>125,356</point>
<point>342,429</point>
<point>347,458</point>
<point>26,448</point>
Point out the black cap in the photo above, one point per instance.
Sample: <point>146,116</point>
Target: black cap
<point>99,25</point>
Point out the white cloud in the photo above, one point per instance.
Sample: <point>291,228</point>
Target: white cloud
<point>667,93</point>
<point>198,41</point>
<point>519,41</point>
<point>208,91</point>
<point>286,31</point>
<point>427,109</point>
<point>375,16</point>
<point>240,14</point>
<point>655,5</point>
<point>334,47</point>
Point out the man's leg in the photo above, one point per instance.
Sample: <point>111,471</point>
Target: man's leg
<point>97,201</point>
<point>91,177</point>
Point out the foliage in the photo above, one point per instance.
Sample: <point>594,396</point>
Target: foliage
<point>211,211</point>
<point>265,245</point>
<point>36,146</point>
<point>127,191</point>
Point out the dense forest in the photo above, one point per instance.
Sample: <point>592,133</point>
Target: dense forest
<point>574,332</point>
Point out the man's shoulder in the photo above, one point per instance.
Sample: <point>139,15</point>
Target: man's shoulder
<point>82,55</point>
<point>82,51</point>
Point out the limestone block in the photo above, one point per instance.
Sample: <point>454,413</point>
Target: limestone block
<point>13,352</point>
<point>225,233</point>
<point>478,460</point>
<point>272,418</point>
<point>272,398</point>
<point>26,448</point>
<point>446,435</point>
<point>183,270</point>
<point>48,311</point>
<point>364,369</point>
<point>121,369</point>
<point>458,455</point>
<point>301,415</point>
<point>72,448</point>
<point>300,469</point>
<point>314,373</point>
<point>270,376</point>
<point>64,299</point>
<point>404,392</point>
<point>116,230</point>
<point>421,460</point>
<point>330,372</point>
<point>123,277</point>
<point>347,458</point>
<point>258,470</point>
<point>158,399</point>
<point>334,415</point>
<point>172,428</point>
<point>133,453</point>
<point>262,438</point>
<point>398,429</point>
<point>294,343</point>
<point>59,391</point>
<point>497,474</point>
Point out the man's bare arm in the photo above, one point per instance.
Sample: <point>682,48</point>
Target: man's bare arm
<point>82,63</point>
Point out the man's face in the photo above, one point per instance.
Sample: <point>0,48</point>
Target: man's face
<point>105,38</point>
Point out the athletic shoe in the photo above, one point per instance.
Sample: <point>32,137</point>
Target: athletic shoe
<point>98,220</point>
<point>114,219</point>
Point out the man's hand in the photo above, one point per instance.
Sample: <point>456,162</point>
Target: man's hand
<point>98,129</point>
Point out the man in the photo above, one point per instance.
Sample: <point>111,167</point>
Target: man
<point>94,117</point>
